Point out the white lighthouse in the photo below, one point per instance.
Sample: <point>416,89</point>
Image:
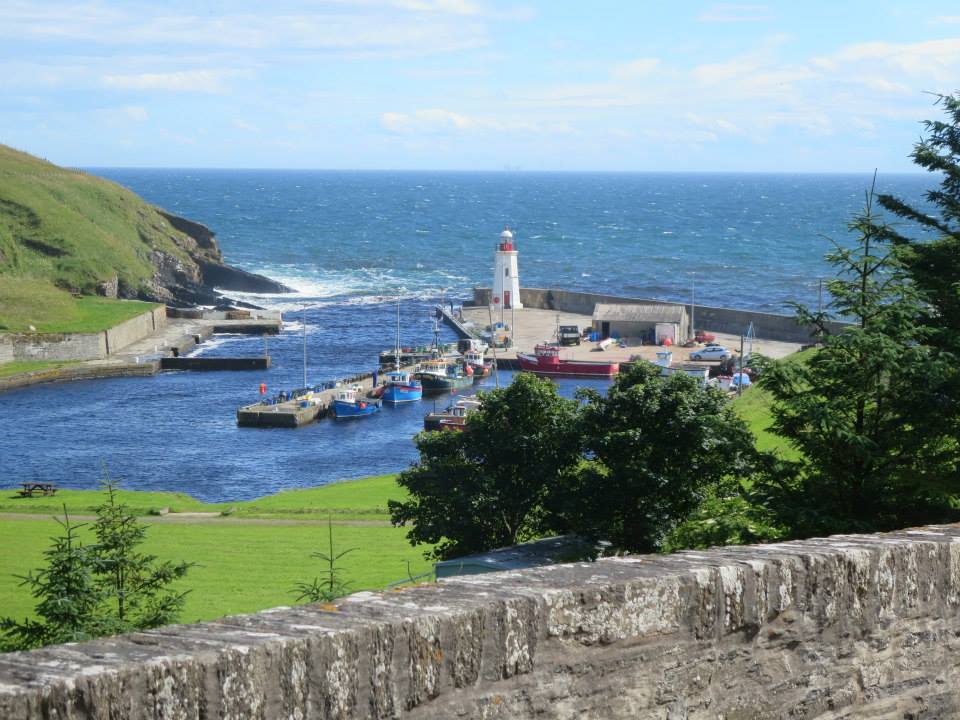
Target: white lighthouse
<point>506,277</point>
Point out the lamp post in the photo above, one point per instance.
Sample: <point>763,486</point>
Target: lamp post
<point>693,311</point>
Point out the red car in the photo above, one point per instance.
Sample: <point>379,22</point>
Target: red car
<point>704,337</point>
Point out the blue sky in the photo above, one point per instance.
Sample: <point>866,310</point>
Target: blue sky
<point>475,84</point>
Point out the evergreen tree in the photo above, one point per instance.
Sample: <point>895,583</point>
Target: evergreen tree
<point>67,594</point>
<point>135,584</point>
<point>856,409</point>
<point>104,588</point>
<point>933,263</point>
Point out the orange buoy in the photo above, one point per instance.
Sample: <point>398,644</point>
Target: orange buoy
<point>363,406</point>
<point>263,388</point>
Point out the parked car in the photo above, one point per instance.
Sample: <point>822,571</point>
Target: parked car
<point>714,352</point>
<point>569,335</point>
<point>702,336</point>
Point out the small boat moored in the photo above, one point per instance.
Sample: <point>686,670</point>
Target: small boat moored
<point>400,387</point>
<point>349,403</point>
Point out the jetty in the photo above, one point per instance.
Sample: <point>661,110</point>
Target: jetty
<point>304,406</point>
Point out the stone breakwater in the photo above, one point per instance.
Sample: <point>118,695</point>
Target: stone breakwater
<point>843,627</point>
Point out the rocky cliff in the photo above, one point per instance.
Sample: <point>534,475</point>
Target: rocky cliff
<point>89,235</point>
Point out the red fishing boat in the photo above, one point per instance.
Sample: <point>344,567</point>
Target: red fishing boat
<point>546,360</point>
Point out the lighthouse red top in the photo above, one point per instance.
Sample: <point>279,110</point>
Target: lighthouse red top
<point>506,240</point>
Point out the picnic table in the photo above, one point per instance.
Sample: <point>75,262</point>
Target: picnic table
<point>27,489</point>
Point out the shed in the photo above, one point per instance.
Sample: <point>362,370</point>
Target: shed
<point>640,321</point>
<point>546,551</point>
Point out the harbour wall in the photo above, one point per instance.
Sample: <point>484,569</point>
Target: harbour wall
<point>83,346</point>
<point>768,326</point>
<point>856,626</point>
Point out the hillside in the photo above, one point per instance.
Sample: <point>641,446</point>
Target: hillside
<point>69,229</point>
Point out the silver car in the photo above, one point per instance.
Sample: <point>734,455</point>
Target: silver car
<point>713,352</point>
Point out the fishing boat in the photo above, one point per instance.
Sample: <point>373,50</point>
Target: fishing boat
<point>349,403</point>
<point>400,387</point>
<point>441,375</point>
<point>477,361</point>
<point>546,360</point>
<point>454,417</point>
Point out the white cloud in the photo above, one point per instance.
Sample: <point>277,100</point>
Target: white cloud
<point>455,7</point>
<point>194,81</point>
<point>437,121</point>
<point>244,125</point>
<point>137,113</point>
<point>921,58</point>
<point>734,13</point>
<point>635,68</point>
<point>403,27</point>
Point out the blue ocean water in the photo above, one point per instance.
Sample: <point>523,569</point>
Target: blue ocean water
<point>350,243</point>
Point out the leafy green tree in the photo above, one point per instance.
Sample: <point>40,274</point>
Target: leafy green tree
<point>656,448</point>
<point>933,262</point>
<point>486,487</point>
<point>871,458</point>
<point>135,584</point>
<point>67,594</point>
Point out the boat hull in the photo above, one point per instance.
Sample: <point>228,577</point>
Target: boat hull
<point>401,393</point>
<point>568,368</point>
<point>345,410</point>
<point>436,383</point>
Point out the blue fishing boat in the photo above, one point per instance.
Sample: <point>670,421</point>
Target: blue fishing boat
<point>400,387</point>
<point>349,404</point>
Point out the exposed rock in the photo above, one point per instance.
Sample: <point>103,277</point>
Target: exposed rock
<point>231,278</point>
<point>183,283</point>
<point>108,288</point>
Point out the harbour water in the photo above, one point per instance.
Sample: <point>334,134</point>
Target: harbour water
<point>350,242</point>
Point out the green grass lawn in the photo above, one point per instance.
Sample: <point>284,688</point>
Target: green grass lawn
<point>26,301</point>
<point>754,406</point>
<point>364,499</point>
<point>15,368</point>
<point>244,567</point>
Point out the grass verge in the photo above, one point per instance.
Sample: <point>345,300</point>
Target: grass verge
<point>18,367</point>
<point>26,301</point>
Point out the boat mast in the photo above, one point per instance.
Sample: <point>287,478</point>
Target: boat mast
<point>304,347</point>
<point>397,356</point>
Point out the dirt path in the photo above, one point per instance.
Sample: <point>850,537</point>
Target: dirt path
<point>213,518</point>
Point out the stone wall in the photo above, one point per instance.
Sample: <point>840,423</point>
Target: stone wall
<point>843,627</point>
<point>59,346</point>
<point>134,329</point>
<point>6,350</point>
<point>83,346</point>
<point>767,326</point>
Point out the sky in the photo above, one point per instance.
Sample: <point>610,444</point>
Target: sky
<point>631,85</point>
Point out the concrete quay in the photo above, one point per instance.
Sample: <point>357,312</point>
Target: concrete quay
<point>535,325</point>
<point>171,338</point>
<point>300,411</point>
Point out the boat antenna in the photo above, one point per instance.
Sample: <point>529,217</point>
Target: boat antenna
<point>493,346</point>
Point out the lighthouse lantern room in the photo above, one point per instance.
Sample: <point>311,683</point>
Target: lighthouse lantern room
<point>506,277</point>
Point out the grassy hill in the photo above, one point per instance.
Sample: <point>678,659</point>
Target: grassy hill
<point>68,229</point>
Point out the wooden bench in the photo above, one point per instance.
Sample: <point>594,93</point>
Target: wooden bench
<point>27,489</point>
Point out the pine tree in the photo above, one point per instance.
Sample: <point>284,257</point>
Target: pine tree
<point>856,409</point>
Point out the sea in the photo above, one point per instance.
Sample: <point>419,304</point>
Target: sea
<point>351,243</point>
